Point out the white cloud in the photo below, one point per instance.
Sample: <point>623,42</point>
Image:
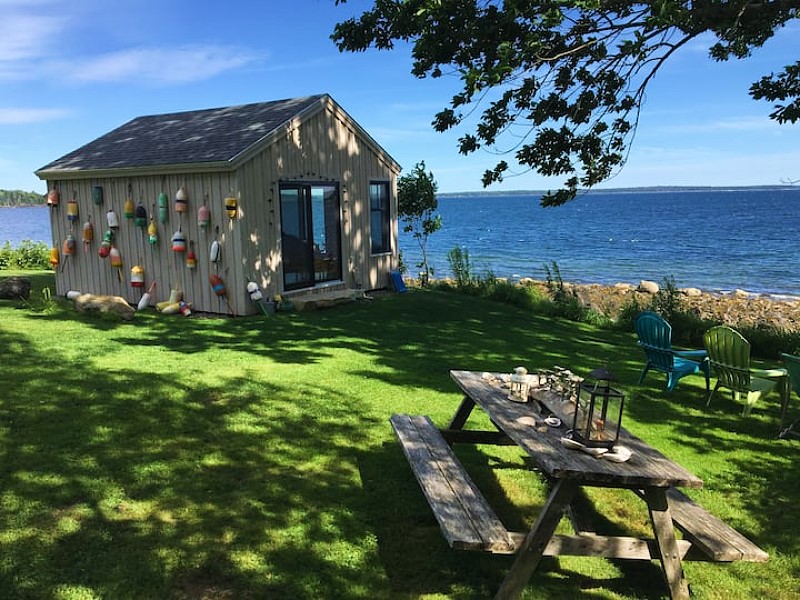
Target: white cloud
<point>18,116</point>
<point>25,38</point>
<point>156,65</point>
<point>760,124</point>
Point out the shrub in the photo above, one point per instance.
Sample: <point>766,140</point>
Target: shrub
<point>667,301</point>
<point>28,256</point>
<point>566,303</point>
<point>461,266</point>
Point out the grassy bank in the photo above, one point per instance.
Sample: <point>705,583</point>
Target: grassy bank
<point>252,458</point>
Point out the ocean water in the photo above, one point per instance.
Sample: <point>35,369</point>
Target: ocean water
<point>716,240</point>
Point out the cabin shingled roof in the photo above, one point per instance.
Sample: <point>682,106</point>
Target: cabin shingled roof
<point>199,136</point>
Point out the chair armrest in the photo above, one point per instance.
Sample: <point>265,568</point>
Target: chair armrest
<point>695,354</point>
<point>769,373</point>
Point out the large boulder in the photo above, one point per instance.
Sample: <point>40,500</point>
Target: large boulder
<point>15,288</point>
<point>648,287</point>
<point>105,304</point>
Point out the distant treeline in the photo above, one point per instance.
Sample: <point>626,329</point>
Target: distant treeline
<point>20,198</point>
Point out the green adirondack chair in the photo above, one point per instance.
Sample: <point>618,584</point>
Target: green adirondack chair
<point>655,338</point>
<point>729,354</point>
<point>792,363</point>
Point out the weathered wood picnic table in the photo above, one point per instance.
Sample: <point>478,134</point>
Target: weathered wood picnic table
<point>468,521</point>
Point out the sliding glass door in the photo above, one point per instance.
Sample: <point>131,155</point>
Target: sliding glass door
<point>310,234</point>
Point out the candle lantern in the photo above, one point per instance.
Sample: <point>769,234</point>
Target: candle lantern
<point>596,406</point>
<point>520,385</point>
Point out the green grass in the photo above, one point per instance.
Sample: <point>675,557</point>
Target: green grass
<point>253,458</point>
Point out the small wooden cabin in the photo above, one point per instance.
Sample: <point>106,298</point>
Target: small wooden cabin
<point>297,196</point>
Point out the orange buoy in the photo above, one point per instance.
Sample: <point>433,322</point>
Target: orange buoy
<point>55,259</point>
<point>88,235</point>
<point>191,257</point>
<point>68,248</point>
<point>53,198</point>
<point>116,261</point>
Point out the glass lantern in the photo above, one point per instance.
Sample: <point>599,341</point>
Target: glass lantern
<point>598,411</point>
<point>520,384</point>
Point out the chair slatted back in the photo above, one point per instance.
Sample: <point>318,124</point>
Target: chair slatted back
<point>729,354</point>
<point>792,364</point>
<point>655,337</point>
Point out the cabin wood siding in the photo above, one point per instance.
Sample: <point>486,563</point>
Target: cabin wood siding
<point>324,146</point>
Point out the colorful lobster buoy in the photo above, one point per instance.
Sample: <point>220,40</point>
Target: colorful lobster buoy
<point>53,198</point>
<point>163,207</point>
<point>68,249</point>
<point>203,217</point>
<point>140,216</point>
<point>178,241</point>
<point>55,259</point>
<point>97,195</point>
<point>105,245</point>
<point>137,276</point>
<point>231,206</point>
<point>215,252</point>
<point>128,210</point>
<point>218,286</point>
<point>116,261</point>
<point>112,219</point>
<point>144,302</point>
<point>257,297</point>
<point>152,231</point>
<point>88,235</point>
<point>181,200</point>
<point>184,308</point>
<point>72,210</point>
<point>191,257</point>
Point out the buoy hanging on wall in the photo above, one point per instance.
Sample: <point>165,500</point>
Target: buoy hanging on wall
<point>181,200</point>
<point>203,217</point>
<point>140,216</point>
<point>191,257</point>
<point>116,261</point>
<point>55,259</point>
<point>215,253</point>
<point>68,249</point>
<point>97,194</point>
<point>105,245</point>
<point>53,198</point>
<point>128,210</point>
<point>88,235</point>
<point>152,232</point>
<point>231,206</point>
<point>113,220</point>
<point>178,241</point>
<point>163,207</point>
<point>137,276</point>
<point>72,209</point>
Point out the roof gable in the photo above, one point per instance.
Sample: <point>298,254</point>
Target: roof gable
<point>202,136</point>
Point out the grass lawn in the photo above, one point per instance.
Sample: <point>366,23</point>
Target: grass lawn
<point>253,458</point>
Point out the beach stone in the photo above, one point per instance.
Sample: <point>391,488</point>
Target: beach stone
<point>741,293</point>
<point>648,287</point>
<point>105,304</point>
<point>692,292</point>
<point>15,288</point>
<point>626,287</point>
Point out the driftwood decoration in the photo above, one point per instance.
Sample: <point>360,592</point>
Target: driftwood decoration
<point>15,288</point>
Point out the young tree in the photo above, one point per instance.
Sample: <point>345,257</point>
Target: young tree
<point>572,73</point>
<point>416,207</point>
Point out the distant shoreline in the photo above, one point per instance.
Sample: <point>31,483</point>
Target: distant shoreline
<point>643,190</point>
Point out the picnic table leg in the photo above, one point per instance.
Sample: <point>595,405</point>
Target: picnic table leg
<point>462,414</point>
<point>530,553</point>
<point>664,531</point>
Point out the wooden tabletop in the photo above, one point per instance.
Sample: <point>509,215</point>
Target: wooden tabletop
<point>647,467</point>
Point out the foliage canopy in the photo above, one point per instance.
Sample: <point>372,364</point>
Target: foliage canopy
<point>565,80</point>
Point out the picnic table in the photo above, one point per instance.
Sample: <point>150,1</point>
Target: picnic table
<point>468,522</point>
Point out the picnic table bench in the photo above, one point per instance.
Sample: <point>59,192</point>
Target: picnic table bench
<point>468,521</point>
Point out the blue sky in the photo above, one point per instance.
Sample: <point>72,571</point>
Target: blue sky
<point>71,71</point>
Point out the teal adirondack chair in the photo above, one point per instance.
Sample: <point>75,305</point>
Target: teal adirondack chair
<point>792,364</point>
<point>729,354</point>
<point>655,338</point>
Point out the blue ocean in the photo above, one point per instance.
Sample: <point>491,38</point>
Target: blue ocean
<point>713,239</point>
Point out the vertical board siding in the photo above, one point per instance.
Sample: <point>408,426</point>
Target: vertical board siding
<point>325,147</point>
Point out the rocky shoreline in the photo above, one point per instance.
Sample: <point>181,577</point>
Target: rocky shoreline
<point>737,308</point>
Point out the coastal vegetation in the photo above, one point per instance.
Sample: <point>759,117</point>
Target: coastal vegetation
<point>558,87</point>
<point>253,458</point>
<point>28,255</point>
<point>20,198</point>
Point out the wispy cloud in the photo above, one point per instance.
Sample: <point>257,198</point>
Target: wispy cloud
<point>741,124</point>
<point>23,39</point>
<point>183,64</point>
<point>19,116</point>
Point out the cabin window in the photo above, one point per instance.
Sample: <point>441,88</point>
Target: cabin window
<point>379,218</point>
<point>311,246</point>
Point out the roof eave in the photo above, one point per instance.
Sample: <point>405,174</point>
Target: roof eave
<point>167,169</point>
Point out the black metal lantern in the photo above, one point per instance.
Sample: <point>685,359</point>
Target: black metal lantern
<point>596,406</point>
